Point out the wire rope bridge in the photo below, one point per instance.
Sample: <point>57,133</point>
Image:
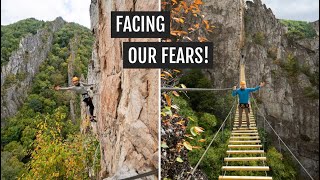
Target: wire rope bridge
<point>245,150</point>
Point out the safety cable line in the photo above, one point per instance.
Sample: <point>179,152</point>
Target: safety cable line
<point>281,139</point>
<point>193,89</point>
<point>142,175</point>
<point>195,168</point>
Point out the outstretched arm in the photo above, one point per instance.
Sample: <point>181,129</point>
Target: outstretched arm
<point>234,91</point>
<point>85,84</point>
<point>63,88</point>
<point>256,88</point>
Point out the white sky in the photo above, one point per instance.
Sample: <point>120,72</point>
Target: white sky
<point>78,10</point>
<point>47,10</point>
<point>304,10</point>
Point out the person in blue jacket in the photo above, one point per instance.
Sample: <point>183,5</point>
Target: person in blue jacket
<point>243,92</point>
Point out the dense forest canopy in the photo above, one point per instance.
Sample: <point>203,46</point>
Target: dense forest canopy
<point>41,141</point>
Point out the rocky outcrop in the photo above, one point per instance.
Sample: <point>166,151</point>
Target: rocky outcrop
<point>285,102</point>
<point>266,52</point>
<point>126,100</point>
<point>22,67</point>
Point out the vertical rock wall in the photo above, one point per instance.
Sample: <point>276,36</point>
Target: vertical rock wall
<point>126,100</point>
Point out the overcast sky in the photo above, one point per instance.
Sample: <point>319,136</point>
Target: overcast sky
<point>47,10</point>
<point>78,10</point>
<point>304,10</point>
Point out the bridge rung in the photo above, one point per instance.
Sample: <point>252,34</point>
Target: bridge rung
<point>245,146</point>
<point>241,128</point>
<point>245,142</point>
<point>245,152</point>
<point>245,159</point>
<point>245,133</point>
<point>245,178</point>
<point>245,168</point>
<point>245,126</point>
<point>244,137</point>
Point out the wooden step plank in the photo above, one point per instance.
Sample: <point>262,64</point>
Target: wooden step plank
<point>244,137</point>
<point>244,146</point>
<point>245,178</point>
<point>241,128</point>
<point>245,151</point>
<point>245,131</point>
<point>245,142</point>
<point>245,168</point>
<point>245,159</point>
<point>255,133</point>
<point>244,125</point>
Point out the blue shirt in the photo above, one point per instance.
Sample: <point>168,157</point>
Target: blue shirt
<point>244,94</point>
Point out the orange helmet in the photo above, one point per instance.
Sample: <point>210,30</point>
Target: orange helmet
<point>75,79</point>
<point>242,83</point>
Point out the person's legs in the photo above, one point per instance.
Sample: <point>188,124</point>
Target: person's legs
<point>88,102</point>
<point>246,110</point>
<point>240,116</point>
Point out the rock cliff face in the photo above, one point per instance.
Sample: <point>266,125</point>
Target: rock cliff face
<point>267,53</point>
<point>23,66</point>
<point>126,100</point>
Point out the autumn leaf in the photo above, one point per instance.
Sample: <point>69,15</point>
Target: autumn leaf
<point>175,93</point>
<point>202,140</point>
<point>167,73</point>
<point>176,70</point>
<point>164,145</point>
<point>202,39</point>
<point>178,159</point>
<point>206,23</point>
<point>183,86</point>
<point>187,145</point>
<point>198,2</point>
<point>168,99</point>
<point>196,147</point>
<point>181,122</point>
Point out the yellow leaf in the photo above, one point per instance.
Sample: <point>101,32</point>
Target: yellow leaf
<point>187,145</point>
<point>196,147</point>
<point>183,86</point>
<point>167,73</point>
<point>175,93</point>
<point>168,99</point>
<point>202,140</point>
<point>181,122</point>
<point>175,70</point>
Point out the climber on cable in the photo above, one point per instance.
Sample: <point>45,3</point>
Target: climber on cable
<point>81,88</point>
<point>243,92</point>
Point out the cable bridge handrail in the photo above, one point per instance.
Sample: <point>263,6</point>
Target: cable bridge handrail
<point>265,119</point>
<point>193,89</point>
<point>195,168</point>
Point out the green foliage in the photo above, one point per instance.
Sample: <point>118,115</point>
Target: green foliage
<point>11,35</point>
<point>11,167</point>
<point>291,65</point>
<point>282,167</point>
<point>299,29</point>
<point>259,38</point>
<point>55,158</point>
<point>212,163</point>
<point>10,79</point>
<point>217,103</point>
<point>311,92</point>
<point>46,106</point>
